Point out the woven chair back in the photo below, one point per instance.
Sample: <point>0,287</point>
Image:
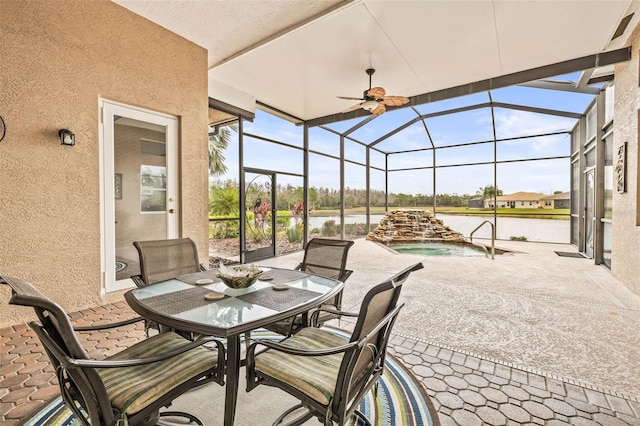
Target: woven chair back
<point>161,260</point>
<point>326,257</point>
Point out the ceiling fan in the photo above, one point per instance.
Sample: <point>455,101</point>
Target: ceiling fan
<point>374,99</point>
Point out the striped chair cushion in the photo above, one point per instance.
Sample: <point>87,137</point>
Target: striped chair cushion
<point>134,388</point>
<point>313,375</point>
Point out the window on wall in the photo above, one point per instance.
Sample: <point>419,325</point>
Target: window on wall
<point>153,189</point>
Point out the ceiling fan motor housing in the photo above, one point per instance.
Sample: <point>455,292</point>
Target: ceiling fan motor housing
<point>370,104</point>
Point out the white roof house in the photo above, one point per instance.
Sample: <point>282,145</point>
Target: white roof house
<point>517,200</point>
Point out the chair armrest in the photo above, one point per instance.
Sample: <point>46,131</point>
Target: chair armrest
<point>296,351</point>
<point>70,363</point>
<point>201,340</point>
<point>313,319</point>
<point>108,326</point>
<point>138,281</point>
<point>347,273</point>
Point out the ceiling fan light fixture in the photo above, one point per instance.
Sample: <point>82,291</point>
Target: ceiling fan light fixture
<point>369,105</point>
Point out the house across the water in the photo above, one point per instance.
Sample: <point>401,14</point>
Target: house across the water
<point>530,200</point>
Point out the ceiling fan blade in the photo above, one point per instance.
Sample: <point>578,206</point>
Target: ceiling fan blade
<point>381,108</point>
<point>353,108</point>
<point>350,98</point>
<point>395,100</point>
<point>376,93</point>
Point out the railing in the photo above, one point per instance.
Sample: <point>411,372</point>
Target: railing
<point>493,238</point>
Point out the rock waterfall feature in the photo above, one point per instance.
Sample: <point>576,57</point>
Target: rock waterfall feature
<point>412,226</point>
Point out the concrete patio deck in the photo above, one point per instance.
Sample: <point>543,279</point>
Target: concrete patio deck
<point>527,338</point>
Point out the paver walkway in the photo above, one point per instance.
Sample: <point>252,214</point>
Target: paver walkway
<point>468,390</point>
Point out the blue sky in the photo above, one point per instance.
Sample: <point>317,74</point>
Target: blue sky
<point>544,176</point>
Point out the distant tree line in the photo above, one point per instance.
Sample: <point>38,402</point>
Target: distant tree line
<point>224,198</point>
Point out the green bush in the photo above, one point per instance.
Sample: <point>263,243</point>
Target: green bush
<point>283,219</point>
<point>224,229</point>
<point>258,235</point>
<point>295,235</point>
<point>329,228</point>
<point>520,238</point>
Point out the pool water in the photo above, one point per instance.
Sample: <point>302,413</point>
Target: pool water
<point>437,249</point>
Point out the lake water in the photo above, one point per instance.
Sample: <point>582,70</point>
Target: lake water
<point>541,230</point>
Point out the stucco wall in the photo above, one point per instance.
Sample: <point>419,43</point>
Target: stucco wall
<point>57,59</point>
<point>625,249</point>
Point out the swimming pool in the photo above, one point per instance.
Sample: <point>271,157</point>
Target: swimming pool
<point>438,249</point>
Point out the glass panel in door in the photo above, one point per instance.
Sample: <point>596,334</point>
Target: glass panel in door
<point>140,166</point>
<point>259,209</point>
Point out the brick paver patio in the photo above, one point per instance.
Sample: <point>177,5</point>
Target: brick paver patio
<point>466,389</point>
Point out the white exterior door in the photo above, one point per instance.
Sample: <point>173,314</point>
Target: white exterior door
<point>139,186</point>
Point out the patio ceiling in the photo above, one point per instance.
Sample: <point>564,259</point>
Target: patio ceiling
<point>297,56</point>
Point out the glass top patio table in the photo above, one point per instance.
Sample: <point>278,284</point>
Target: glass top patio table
<point>180,303</point>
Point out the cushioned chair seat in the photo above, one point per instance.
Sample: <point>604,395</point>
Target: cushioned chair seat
<point>153,380</point>
<point>316,376</point>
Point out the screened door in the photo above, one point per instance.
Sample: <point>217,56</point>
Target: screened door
<point>259,207</point>
<point>589,216</point>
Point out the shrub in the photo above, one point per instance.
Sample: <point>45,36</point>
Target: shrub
<point>329,228</point>
<point>520,238</point>
<point>295,235</point>
<point>283,219</point>
<point>226,229</point>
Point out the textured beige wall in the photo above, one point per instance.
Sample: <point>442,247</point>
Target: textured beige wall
<point>626,206</point>
<point>58,57</point>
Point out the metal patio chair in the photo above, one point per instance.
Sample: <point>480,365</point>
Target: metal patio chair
<point>330,372</point>
<point>129,387</point>
<point>161,260</point>
<point>328,258</point>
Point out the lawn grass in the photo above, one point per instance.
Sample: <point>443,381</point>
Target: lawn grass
<point>508,212</point>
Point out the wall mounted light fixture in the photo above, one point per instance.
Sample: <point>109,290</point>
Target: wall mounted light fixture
<point>67,137</point>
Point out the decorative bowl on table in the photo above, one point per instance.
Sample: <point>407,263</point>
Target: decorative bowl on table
<point>242,276</point>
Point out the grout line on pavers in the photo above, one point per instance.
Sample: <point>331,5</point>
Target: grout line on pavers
<point>532,370</point>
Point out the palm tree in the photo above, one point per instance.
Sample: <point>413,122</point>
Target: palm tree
<point>218,142</point>
<point>488,191</point>
<point>225,201</point>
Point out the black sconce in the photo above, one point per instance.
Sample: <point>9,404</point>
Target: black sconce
<point>67,137</point>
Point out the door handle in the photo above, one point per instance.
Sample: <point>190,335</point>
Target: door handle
<point>172,211</point>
